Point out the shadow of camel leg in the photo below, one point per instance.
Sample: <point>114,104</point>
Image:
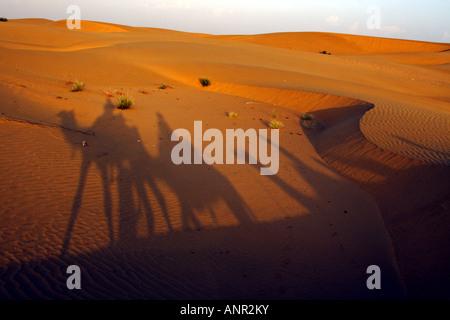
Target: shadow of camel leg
<point>142,197</point>
<point>189,219</point>
<point>238,207</point>
<point>76,205</point>
<point>162,203</point>
<point>107,202</point>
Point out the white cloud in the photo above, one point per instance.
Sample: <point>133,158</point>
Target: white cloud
<point>331,21</point>
<point>392,30</point>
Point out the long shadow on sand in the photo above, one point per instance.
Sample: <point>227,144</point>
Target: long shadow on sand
<point>137,171</point>
<point>296,258</point>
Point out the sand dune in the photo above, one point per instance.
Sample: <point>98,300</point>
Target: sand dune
<point>367,186</point>
<point>341,44</point>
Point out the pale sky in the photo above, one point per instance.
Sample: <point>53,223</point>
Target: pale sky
<point>413,19</point>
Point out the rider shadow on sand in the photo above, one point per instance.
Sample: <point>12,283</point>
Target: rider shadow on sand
<point>124,164</point>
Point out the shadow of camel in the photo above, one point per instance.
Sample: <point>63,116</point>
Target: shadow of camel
<point>204,182</point>
<point>123,162</point>
<point>302,257</point>
<point>90,155</point>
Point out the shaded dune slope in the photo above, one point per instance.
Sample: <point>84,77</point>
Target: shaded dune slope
<point>413,198</point>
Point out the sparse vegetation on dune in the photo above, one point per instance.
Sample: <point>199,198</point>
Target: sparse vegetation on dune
<point>325,52</point>
<point>3,19</point>
<point>77,86</point>
<point>306,116</point>
<point>311,125</point>
<point>307,120</point>
<point>162,87</point>
<point>232,115</point>
<point>110,92</point>
<point>124,102</point>
<point>205,82</point>
<point>275,124</point>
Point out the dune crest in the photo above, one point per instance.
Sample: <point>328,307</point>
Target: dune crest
<point>335,43</point>
<point>92,26</point>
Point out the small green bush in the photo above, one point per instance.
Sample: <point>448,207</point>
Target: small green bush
<point>3,19</point>
<point>307,120</point>
<point>77,86</point>
<point>308,124</point>
<point>124,102</point>
<point>306,116</point>
<point>205,82</point>
<point>275,124</point>
<point>325,52</point>
<point>162,87</point>
<point>232,115</point>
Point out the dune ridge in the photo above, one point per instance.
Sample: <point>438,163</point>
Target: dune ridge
<point>341,44</point>
<point>92,26</point>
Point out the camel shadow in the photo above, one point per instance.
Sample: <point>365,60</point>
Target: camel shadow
<point>291,256</point>
<point>124,165</point>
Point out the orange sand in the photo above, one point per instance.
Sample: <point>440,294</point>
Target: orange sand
<point>369,185</point>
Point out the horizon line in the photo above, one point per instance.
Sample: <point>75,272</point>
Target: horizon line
<point>235,34</point>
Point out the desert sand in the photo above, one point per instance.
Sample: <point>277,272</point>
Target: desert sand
<point>366,184</point>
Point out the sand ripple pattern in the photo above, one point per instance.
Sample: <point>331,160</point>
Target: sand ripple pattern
<point>412,132</point>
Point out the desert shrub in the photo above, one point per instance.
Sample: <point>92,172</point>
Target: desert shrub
<point>309,124</point>
<point>306,116</point>
<point>205,82</point>
<point>77,86</point>
<point>232,115</point>
<point>3,19</point>
<point>275,124</point>
<point>324,52</point>
<point>162,87</point>
<point>110,92</point>
<point>124,102</point>
<point>307,120</point>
